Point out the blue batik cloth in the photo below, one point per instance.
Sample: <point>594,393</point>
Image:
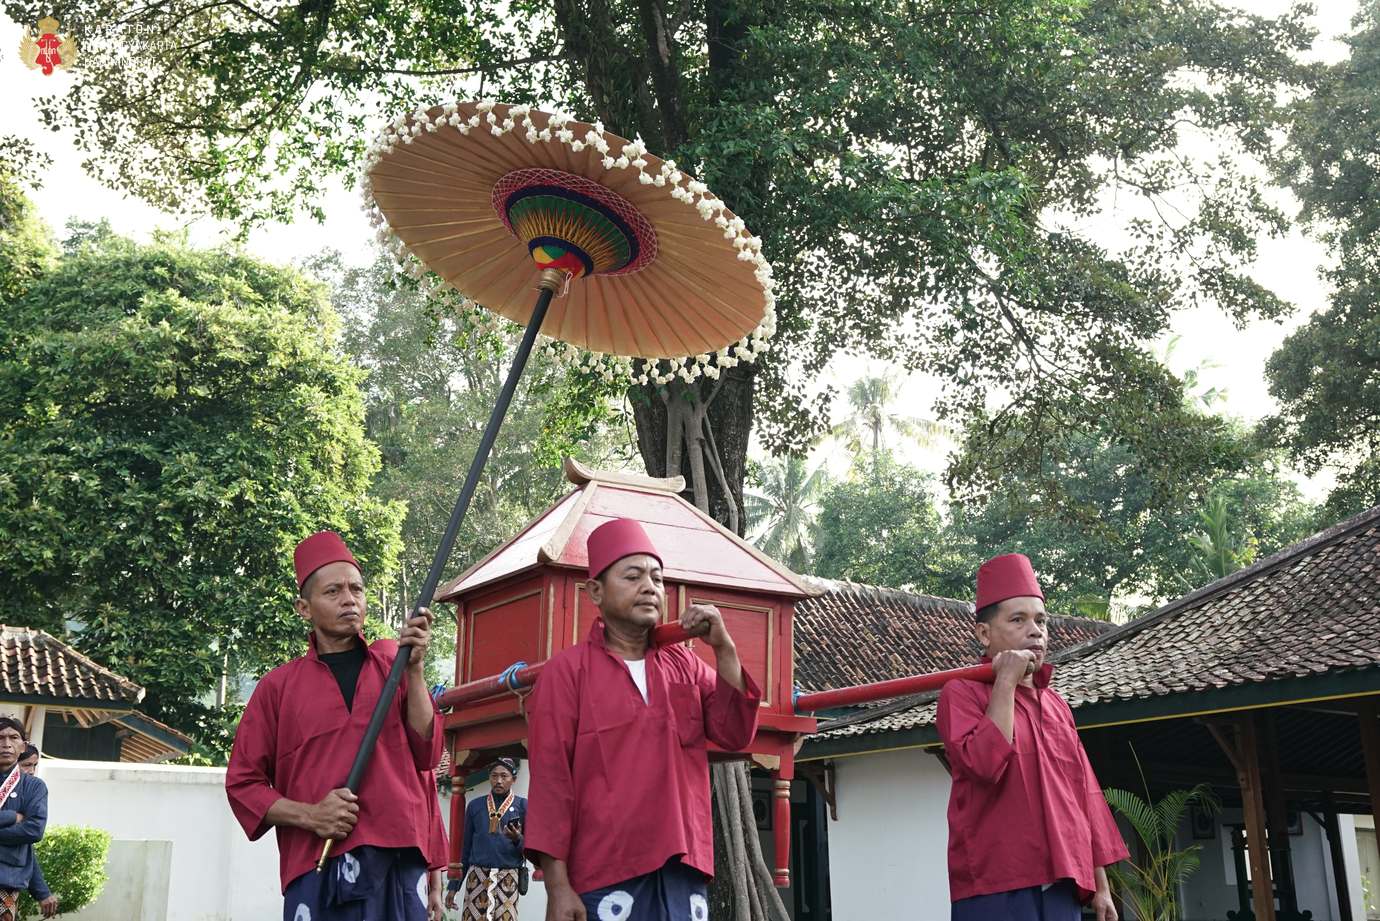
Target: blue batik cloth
<point>673,893</point>
<point>1057,903</point>
<point>365,884</point>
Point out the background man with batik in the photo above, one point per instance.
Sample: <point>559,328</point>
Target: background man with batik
<point>48,902</point>
<point>1030,834</point>
<point>23,817</point>
<point>492,857</point>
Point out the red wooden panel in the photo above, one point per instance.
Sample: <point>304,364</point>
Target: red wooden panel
<point>752,624</point>
<point>503,628</point>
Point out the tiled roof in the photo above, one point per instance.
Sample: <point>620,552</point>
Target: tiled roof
<point>34,664</point>
<point>855,634</point>
<point>1310,609</point>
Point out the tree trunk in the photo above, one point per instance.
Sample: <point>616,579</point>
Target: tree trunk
<point>661,413</point>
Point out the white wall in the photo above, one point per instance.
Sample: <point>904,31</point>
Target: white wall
<point>888,851</point>
<point>167,815</point>
<point>1211,892</point>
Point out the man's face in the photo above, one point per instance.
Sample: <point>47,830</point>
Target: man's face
<point>11,745</point>
<point>630,592</point>
<point>500,780</point>
<point>1019,623</point>
<point>336,604</point>
<point>29,765</point>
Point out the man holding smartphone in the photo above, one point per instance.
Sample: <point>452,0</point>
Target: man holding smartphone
<point>492,856</point>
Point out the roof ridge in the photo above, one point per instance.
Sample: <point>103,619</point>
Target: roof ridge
<point>1326,537</point>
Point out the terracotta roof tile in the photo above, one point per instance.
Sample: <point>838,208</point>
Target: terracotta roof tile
<point>855,634</point>
<point>1310,609</point>
<point>35,664</point>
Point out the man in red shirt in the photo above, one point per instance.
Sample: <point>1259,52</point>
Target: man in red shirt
<point>298,737</point>
<point>618,805</point>
<point>1030,834</point>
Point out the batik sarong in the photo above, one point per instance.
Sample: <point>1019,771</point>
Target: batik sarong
<point>9,903</point>
<point>673,893</point>
<point>1057,903</point>
<point>491,894</point>
<point>365,884</point>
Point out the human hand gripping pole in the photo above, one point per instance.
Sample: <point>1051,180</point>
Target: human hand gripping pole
<point>551,281</point>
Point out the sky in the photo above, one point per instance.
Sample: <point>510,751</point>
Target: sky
<point>1229,358</point>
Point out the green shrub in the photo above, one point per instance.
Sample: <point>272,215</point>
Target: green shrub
<point>73,862</point>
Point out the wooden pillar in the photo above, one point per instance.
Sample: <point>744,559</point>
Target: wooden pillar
<point>1370,747</point>
<point>781,824</point>
<point>1238,741</point>
<point>1276,814</point>
<point>1334,843</point>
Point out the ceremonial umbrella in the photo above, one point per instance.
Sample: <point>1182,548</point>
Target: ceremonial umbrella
<point>627,254</point>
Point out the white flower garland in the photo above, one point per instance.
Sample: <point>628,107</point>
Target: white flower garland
<point>695,194</point>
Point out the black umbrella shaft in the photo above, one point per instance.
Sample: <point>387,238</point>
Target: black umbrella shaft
<point>438,562</point>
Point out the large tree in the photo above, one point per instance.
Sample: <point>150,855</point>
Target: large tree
<point>172,421</point>
<point>1326,375</point>
<point>917,169</point>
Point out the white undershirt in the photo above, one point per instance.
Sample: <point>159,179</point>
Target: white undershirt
<point>638,669</point>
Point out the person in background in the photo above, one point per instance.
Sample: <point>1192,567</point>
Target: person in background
<point>23,818</point>
<point>38,887</point>
<point>492,860</point>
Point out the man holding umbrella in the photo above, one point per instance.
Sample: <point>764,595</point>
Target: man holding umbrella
<point>1030,835</point>
<point>294,746</point>
<point>618,805</point>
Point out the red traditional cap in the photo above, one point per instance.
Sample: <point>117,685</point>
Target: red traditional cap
<point>1003,577</point>
<point>613,540</point>
<point>320,549</point>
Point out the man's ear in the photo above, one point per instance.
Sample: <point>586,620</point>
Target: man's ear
<point>983,632</point>
<point>300,606</point>
<point>595,589</point>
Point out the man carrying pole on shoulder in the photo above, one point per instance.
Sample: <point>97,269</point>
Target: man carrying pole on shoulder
<point>1030,835</point>
<point>618,805</point>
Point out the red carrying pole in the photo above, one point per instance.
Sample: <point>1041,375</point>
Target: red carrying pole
<point>521,675</point>
<point>896,687</point>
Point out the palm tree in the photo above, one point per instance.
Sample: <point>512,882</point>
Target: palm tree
<point>781,508</point>
<point>1150,886</point>
<point>1219,552</point>
<point>871,401</point>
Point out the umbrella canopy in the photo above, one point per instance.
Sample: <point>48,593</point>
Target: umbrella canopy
<point>488,195</point>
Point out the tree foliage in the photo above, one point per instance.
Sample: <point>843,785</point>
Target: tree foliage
<point>1326,375</point>
<point>172,422</point>
<point>1101,524</point>
<point>782,505</point>
<point>916,169</point>
<point>883,527</point>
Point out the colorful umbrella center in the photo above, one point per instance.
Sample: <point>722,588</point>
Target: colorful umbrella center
<point>574,224</point>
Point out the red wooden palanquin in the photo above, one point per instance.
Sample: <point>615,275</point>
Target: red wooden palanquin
<point>526,601</point>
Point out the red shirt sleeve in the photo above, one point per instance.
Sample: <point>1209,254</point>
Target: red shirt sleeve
<point>552,724</point>
<point>730,715</point>
<point>249,776</point>
<point>426,752</point>
<point>973,743</point>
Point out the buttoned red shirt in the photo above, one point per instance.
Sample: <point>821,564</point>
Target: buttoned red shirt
<point>618,786</point>
<point>1023,813</point>
<point>297,740</point>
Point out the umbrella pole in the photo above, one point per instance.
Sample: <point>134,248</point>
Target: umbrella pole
<point>551,281</point>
